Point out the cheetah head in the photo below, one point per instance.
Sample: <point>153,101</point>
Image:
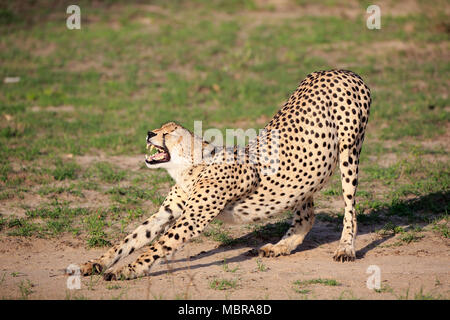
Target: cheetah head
<point>174,147</point>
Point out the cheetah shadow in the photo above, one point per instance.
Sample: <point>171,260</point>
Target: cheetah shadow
<point>327,230</point>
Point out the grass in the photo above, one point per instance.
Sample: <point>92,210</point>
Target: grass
<point>302,291</point>
<point>52,218</point>
<point>385,288</point>
<point>411,237</point>
<point>134,195</point>
<point>75,296</point>
<point>65,170</point>
<point>405,235</point>
<point>94,226</point>
<point>424,208</point>
<point>55,191</point>
<point>325,282</point>
<point>261,266</point>
<point>390,228</point>
<point>57,217</point>
<point>222,284</point>
<point>25,288</point>
<point>106,172</point>
<point>227,268</point>
<point>113,287</point>
<point>347,295</point>
<point>92,281</point>
<point>215,232</point>
<point>22,227</point>
<point>300,286</point>
<point>272,230</point>
<point>53,82</point>
<point>440,225</point>
<point>420,295</point>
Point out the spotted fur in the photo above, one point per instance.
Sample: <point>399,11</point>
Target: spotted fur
<point>322,124</point>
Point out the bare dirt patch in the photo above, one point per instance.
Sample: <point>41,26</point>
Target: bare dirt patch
<point>385,52</point>
<point>97,65</point>
<point>405,269</point>
<point>289,9</point>
<point>53,109</point>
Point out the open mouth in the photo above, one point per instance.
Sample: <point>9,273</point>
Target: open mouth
<point>157,154</point>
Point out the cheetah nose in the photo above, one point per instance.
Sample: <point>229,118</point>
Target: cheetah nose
<point>150,134</point>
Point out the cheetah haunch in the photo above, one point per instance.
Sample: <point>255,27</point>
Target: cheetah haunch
<point>323,122</point>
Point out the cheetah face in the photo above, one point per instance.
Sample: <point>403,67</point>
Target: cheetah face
<point>173,147</point>
<point>159,143</point>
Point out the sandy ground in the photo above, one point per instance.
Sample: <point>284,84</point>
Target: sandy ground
<point>406,270</point>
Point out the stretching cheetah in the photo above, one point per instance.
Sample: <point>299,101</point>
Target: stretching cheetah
<point>291,159</point>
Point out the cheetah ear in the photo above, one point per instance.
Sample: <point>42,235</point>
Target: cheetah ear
<point>171,126</point>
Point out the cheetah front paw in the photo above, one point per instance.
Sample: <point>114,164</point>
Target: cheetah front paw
<point>344,253</point>
<point>273,250</point>
<point>124,273</point>
<point>90,267</point>
<point>110,276</point>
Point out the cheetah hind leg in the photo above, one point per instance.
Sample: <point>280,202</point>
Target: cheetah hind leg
<point>349,161</point>
<point>302,223</point>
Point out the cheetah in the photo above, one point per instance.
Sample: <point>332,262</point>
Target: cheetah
<point>322,123</point>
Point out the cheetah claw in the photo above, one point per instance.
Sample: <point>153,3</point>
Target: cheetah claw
<point>344,254</point>
<point>270,250</point>
<point>119,274</point>
<point>90,268</point>
<point>109,276</point>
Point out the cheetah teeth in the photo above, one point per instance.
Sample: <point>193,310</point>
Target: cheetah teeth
<point>157,156</point>
<point>153,150</point>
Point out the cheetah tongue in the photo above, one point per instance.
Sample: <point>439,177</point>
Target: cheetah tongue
<point>156,156</point>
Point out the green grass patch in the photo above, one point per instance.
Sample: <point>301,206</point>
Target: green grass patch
<point>390,229</point>
<point>134,195</point>
<point>410,237</point>
<point>73,189</point>
<point>325,282</point>
<point>22,227</point>
<point>385,288</point>
<point>216,232</point>
<point>26,289</point>
<point>107,172</point>
<point>95,225</point>
<point>226,267</point>
<point>271,230</point>
<point>261,266</point>
<point>65,170</point>
<point>49,220</point>
<point>222,284</point>
<point>441,226</point>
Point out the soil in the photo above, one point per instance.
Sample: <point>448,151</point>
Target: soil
<point>405,270</point>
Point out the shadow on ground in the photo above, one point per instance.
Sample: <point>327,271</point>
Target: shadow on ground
<point>420,210</point>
